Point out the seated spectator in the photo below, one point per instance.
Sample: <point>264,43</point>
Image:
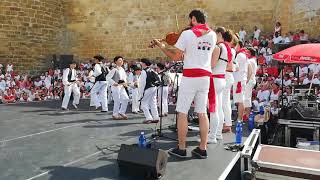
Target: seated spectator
<point>307,80</point>
<point>287,80</point>
<point>296,37</point>
<point>316,80</point>
<point>2,84</point>
<point>263,94</point>
<point>287,39</point>
<point>277,39</point>
<point>303,36</point>
<point>9,97</point>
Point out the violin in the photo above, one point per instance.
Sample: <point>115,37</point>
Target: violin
<point>171,38</point>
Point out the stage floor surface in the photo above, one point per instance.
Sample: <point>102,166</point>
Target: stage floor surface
<point>39,142</point>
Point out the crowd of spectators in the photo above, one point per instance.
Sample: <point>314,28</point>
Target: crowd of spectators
<point>16,87</point>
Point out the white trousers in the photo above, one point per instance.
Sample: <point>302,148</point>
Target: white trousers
<point>226,105</point>
<point>73,88</point>
<point>165,93</point>
<point>121,99</point>
<point>101,100</point>
<point>135,100</point>
<point>149,102</point>
<point>216,118</point>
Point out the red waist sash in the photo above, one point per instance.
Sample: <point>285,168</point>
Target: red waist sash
<point>212,107</point>
<point>203,73</point>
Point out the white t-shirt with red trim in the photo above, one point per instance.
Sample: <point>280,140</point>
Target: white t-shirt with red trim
<point>197,50</point>
<point>242,61</point>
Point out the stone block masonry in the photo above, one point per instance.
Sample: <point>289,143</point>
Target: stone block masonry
<point>32,30</point>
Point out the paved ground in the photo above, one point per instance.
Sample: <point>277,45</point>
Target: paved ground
<point>39,142</point>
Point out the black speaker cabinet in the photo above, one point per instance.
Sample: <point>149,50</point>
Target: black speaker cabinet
<point>142,163</point>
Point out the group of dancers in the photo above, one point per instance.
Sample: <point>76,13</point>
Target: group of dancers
<point>215,64</point>
<point>143,83</point>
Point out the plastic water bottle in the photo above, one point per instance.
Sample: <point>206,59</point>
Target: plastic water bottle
<point>251,121</point>
<point>239,132</point>
<point>142,141</point>
<point>261,110</point>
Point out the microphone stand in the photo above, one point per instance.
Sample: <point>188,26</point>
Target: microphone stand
<point>158,132</point>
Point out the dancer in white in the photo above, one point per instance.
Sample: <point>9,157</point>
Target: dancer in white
<point>118,80</point>
<point>69,80</point>
<point>226,94</point>
<point>196,46</point>
<point>251,82</point>
<point>100,87</point>
<point>224,37</point>
<point>164,88</point>
<point>240,78</point>
<point>133,80</point>
<point>148,92</point>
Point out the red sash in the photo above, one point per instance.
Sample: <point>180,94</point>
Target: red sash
<point>212,105</point>
<point>239,87</point>
<point>203,73</point>
<point>229,53</point>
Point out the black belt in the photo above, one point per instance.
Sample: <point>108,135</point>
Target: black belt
<point>72,81</point>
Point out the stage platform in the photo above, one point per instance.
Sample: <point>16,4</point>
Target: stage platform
<point>39,142</point>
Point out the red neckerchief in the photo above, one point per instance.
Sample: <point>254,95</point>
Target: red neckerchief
<point>200,29</point>
<point>275,91</point>
<point>244,51</point>
<point>229,53</point>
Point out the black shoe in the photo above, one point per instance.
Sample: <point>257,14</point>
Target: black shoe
<point>104,111</point>
<point>178,152</point>
<point>200,153</point>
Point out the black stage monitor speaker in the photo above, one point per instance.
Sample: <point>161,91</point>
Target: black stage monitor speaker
<point>65,60</point>
<point>142,163</point>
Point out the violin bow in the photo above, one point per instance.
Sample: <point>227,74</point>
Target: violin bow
<point>177,23</point>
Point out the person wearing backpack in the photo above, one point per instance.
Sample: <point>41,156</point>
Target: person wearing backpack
<point>164,88</point>
<point>118,80</point>
<point>148,83</point>
<point>100,86</point>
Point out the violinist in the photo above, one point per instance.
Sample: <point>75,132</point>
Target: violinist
<point>196,47</point>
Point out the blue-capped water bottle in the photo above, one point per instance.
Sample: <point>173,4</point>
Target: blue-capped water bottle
<point>142,140</point>
<point>239,132</point>
<point>251,121</point>
<point>261,110</point>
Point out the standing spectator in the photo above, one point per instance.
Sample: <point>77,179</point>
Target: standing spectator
<point>242,34</point>
<point>9,67</point>
<point>277,29</point>
<point>256,33</point>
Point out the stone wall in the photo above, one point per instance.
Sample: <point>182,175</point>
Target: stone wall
<point>30,31</point>
<point>126,27</point>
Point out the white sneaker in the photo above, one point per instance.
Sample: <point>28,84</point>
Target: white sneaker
<point>212,141</point>
<point>75,106</point>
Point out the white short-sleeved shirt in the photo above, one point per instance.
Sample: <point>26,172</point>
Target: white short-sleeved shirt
<point>312,67</point>
<point>221,65</point>
<point>256,33</point>
<point>197,50</point>
<point>253,63</point>
<point>241,75</point>
<point>242,35</point>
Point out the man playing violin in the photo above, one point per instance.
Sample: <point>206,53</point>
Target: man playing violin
<point>196,47</point>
